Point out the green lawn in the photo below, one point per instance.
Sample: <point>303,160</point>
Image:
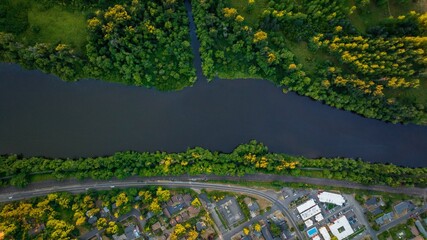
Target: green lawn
<point>56,25</point>
<point>307,58</point>
<point>418,95</point>
<point>33,22</point>
<point>252,16</point>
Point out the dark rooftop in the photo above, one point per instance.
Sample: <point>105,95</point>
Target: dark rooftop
<point>403,207</point>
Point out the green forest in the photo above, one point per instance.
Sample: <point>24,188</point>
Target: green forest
<point>348,54</point>
<point>142,43</point>
<point>252,157</point>
<point>364,56</point>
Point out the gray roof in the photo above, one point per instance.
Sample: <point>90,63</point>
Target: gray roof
<point>200,226</point>
<point>421,228</point>
<point>121,237</point>
<point>253,206</point>
<point>131,232</point>
<point>204,198</point>
<point>377,211</point>
<point>92,220</point>
<point>230,210</point>
<point>266,233</point>
<point>402,207</point>
<point>149,215</point>
<point>385,217</point>
<point>372,201</point>
<point>174,209</point>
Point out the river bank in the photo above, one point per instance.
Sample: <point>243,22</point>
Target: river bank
<point>42,116</point>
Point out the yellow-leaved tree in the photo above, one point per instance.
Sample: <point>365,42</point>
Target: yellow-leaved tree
<point>163,195</point>
<point>229,12</point>
<point>260,36</point>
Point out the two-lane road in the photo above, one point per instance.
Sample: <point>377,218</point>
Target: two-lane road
<point>84,186</point>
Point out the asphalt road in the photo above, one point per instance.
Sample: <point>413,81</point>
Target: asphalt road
<point>75,186</point>
<point>402,219</point>
<point>248,177</point>
<point>79,187</point>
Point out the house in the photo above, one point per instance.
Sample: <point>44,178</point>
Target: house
<point>200,226</point>
<point>193,211</point>
<point>149,215</point>
<point>386,218</point>
<point>92,220</point>
<point>376,211</point>
<point>403,208</point>
<point>114,206</point>
<point>89,213</point>
<point>204,198</point>
<point>166,212</point>
<point>176,199</point>
<point>187,199</point>
<point>105,212</point>
<point>372,202</point>
<point>121,237</point>
<point>252,205</point>
<point>171,210</point>
<point>185,216</point>
<point>266,233</point>
<point>156,226</point>
<point>230,210</point>
<point>132,232</point>
<point>172,222</point>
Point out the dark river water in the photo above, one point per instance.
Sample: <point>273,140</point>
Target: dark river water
<point>41,115</point>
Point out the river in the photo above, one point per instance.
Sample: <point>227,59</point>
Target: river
<point>43,116</point>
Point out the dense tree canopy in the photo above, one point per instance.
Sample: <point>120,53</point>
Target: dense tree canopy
<point>317,48</point>
<point>143,43</point>
<point>247,158</point>
<point>313,47</point>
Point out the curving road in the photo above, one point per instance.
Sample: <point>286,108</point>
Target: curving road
<point>249,177</point>
<point>75,186</point>
<point>82,187</point>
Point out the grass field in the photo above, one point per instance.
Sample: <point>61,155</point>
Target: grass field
<point>252,16</point>
<point>56,25</point>
<point>418,95</point>
<point>35,23</point>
